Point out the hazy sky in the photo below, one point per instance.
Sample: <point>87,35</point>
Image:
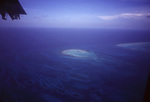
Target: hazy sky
<point>84,13</point>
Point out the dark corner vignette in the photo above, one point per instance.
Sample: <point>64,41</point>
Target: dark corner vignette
<point>147,91</point>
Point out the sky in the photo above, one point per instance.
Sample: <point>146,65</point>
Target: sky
<point>126,14</point>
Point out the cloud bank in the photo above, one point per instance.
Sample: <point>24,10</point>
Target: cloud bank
<point>125,16</point>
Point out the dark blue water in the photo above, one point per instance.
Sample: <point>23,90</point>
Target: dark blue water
<point>33,68</point>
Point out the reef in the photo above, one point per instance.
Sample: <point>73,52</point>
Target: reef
<point>77,53</point>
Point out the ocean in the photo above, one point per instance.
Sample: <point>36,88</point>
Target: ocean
<point>73,64</point>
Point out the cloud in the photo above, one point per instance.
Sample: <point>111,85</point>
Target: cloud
<point>125,16</point>
<point>108,17</point>
<point>131,14</point>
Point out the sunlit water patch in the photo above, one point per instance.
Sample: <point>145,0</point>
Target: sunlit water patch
<point>138,46</point>
<point>77,53</point>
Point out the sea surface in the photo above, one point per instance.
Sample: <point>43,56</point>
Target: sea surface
<point>73,64</point>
